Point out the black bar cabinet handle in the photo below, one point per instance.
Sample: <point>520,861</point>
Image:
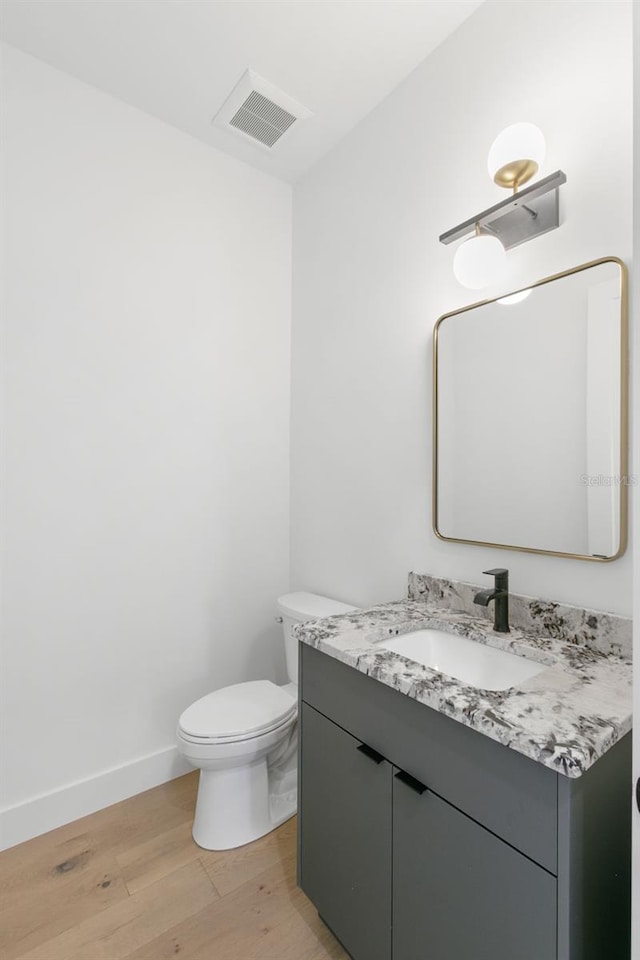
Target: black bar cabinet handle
<point>411,782</point>
<point>371,753</point>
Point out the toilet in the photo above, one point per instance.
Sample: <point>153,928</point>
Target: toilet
<point>244,740</point>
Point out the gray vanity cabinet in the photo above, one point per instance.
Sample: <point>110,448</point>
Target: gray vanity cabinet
<point>346,836</point>
<point>421,839</point>
<point>460,892</point>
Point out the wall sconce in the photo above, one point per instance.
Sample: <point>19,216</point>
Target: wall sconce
<point>515,156</point>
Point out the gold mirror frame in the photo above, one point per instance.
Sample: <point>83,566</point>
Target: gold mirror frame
<point>624,415</point>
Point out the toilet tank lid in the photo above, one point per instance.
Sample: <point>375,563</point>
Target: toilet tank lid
<point>310,606</point>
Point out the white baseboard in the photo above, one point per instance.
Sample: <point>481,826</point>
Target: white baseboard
<point>44,813</point>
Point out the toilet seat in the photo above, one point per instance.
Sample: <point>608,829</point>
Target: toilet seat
<point>239,712</point>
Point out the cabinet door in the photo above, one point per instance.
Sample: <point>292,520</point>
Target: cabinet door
<point>345,835</point>
<point>460,893</point>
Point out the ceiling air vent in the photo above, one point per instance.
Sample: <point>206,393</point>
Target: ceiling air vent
<point>259,111</point>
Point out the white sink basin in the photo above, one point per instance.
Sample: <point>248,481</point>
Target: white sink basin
<point>473,663</point>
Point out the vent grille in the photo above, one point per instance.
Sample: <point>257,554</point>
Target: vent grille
<point>262,119</point>
<point>259,110</point>
<point>269,111</point>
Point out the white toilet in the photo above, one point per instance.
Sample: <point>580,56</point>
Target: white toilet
<point>244,739</point>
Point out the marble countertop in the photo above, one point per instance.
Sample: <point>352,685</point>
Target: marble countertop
<point>566,717</point>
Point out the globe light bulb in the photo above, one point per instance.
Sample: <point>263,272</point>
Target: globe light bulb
<point>515,297</point>
<point>516,155</point>
<point>479,262</point>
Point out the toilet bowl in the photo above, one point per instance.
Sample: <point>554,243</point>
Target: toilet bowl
<point>244,740</point>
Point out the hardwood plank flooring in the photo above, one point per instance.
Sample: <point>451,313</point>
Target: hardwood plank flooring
<point>129,883</point>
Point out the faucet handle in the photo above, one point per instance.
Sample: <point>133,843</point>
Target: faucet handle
<point>501,575</point>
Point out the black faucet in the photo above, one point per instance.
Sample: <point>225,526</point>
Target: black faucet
<point>500,594</point>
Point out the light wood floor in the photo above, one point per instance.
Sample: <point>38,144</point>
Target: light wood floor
<point>129,882</point>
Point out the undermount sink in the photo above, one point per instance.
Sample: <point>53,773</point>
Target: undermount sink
<point>474,663</point>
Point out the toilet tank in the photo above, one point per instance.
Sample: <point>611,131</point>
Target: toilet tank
<point>297,607</point>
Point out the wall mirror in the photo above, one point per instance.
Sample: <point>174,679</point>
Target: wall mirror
<point>530,417</point>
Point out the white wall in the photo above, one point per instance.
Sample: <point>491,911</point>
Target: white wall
<point>146,425</point>
<point>371,279</point>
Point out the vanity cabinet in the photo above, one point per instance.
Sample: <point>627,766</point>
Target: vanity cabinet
<point>346,836</point>
<point>461,892</point>
<point>421,839</point>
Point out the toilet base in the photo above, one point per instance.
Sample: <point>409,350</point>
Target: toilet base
<point>235,806</point>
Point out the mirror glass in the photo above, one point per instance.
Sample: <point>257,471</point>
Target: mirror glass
<point>530,401</point>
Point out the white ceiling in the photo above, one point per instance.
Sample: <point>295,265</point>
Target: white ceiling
<point>179,59</point>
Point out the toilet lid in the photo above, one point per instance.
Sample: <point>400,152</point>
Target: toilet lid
<point>241,710</point>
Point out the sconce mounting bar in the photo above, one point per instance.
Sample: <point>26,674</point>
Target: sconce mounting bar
<point>530,212</point>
